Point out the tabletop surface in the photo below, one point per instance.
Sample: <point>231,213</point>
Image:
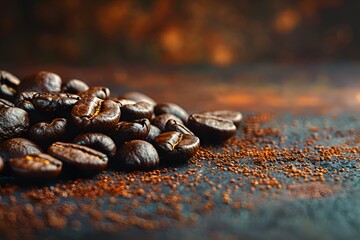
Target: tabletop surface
<point>291,170</point>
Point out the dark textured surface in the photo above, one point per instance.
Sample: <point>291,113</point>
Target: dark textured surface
<point>327,209</point>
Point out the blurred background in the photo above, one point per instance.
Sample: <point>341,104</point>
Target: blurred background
<point>221,33</point>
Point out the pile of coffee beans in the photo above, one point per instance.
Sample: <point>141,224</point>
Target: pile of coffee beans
<point>48,126</point>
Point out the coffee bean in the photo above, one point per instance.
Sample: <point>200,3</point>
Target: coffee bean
<point>13,122</point>
<point>211,129</point>
<point>175,147</point>
<point>173,125</point>
<point>58,104</point>
<point>41,82</point>
<point>138,155</point>
<point>96,115</point>
<point>173,109</point>
<point>234,116</point>
<point>122,101</point>
<point>99,92</point>
<point>161,120</point>
<point>24,101</point>
<point>130,112</point>
<point>74,86</point>
<point>17,147</point>
<point>39,166</point>
<point>1,164</point>
<point>153,133</point>
<point>8,85</point>
<point>84,159</point>
<point>5,103</point>
<point>138,97</point>
<point>46,133</point>
<point>97,141</point>
<point>126,131</point>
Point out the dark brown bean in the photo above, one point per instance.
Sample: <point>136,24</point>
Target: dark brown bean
<point>153,133</point>
<point>138,155</point>
<point>173,125</point>
<point>41,82</point>
<point>74,86</point>
<point>17,147</point>
<point>173,109</point>
<point>97,141</point>
<point>99,92</point>
<point>175,147</point>
<point>5,103</point>
<point>161,120</point>
<point>211,129</point>
<point>8,85</point>
<point>13,122</point>
<point>126,131</point>
<point>45,133</point>
<point>1,164</point>
<point>39,166</point>
<point>130,112</point>
<point>234,116</point>
<point>93,114</point>
<point>54,103</point>
<point>86,160</point>
<point>138,97</point>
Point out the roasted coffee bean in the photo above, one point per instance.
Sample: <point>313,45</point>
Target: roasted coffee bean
<point>45,133</point>
<point>153,133</point>
<point>175,147</point>
<point>13,122</point>
<point>138,97</point>
<point>41,82</point>
<point>173,125</point>
<point>54,103</point>
<point>126,131</point>
<point>233,116</point>
<point>74,86</point>
<point>17,147</point>
<point>130,112</point>
<point>211,129</point>
<point>173,109</point>
<point>97,141</point>
<point>96,115</point>
<point>99,92</point>
<point>8,85</point>
<point>24,101</point>
<point>122,101</point>
<point>5,103</point>
<point>39,166</point>
<point>161,120</point>
<point>138,155</point>
<point>86,160</point>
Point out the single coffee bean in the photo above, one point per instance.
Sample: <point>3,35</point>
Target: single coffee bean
<point>138,97</point>
<point>173,125</point>
<point>99,92</point>
<point>39,166</point>
<point>5,103</point>
<point>41,82</point>
<point>173,109</point>
<point>1,164</point>
<point>17,147</point>
<point>211,129</point>
<point>86,160</point>
<point>161,120</point>
<point>96,115</point>
<point>233,116</point>
<point>46,133</point>
<point>24,101</point>
<point>130,112</point>
<point>122,101</point>
<point>74,86</point>
<point>153,133</point>
<point>126,131</point>
<point>97,141</point>
<point>55,103</point>
<point>138,155</point>
<point>13,122</point>
<point>175,147</point>
<point>8,85</point>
